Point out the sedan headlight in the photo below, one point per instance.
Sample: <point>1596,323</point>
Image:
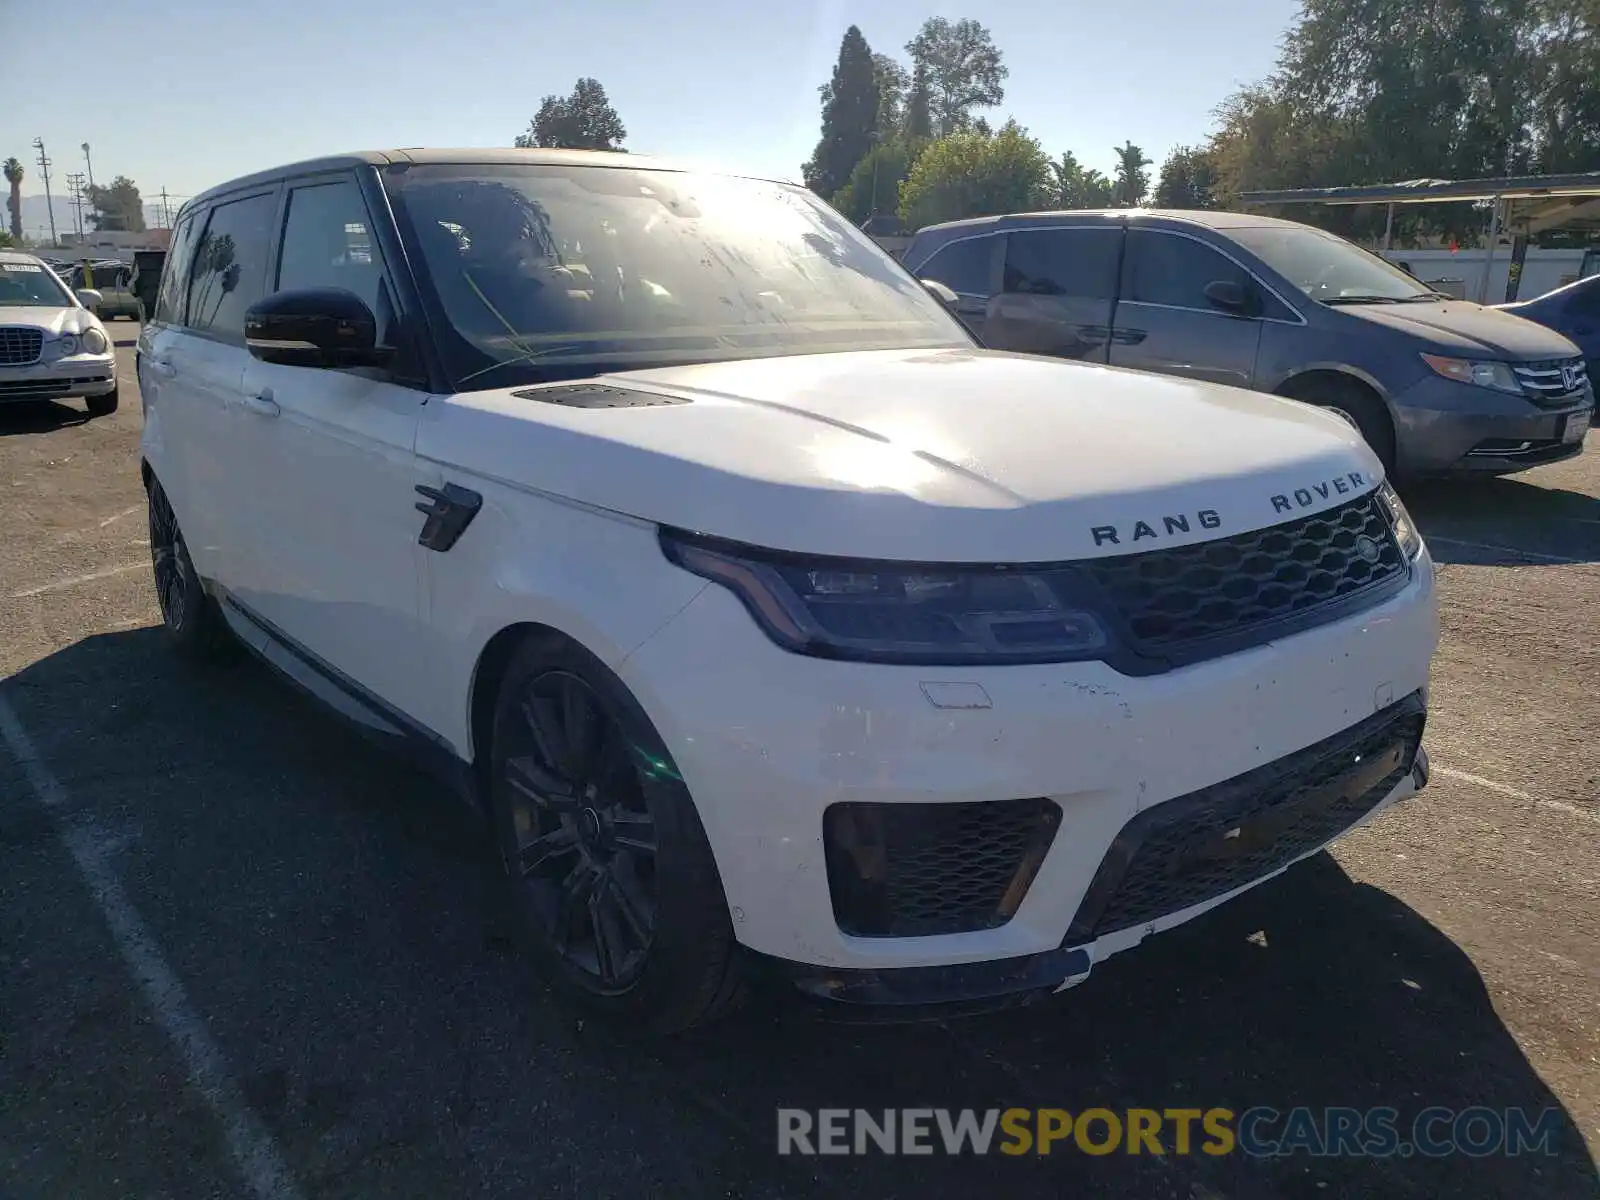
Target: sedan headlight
<point>94,341</point>
<point>900,612</point>
<point>1496,375</point>
<point>1405,529</point>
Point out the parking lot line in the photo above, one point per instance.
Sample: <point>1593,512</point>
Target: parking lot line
<point>127,512</point>
<point>75,580</point>
<point>249,1143</point>
<point>1572,810</point>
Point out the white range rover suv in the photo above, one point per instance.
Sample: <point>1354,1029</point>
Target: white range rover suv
<point>52,346</point>
<point>779,630</point>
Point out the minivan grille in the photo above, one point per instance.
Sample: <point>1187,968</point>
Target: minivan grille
<point>20,345</point>
<point>1553,384</point>
<point>1172,599</point>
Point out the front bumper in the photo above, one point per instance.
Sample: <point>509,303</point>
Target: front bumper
<point>768,742</point>
<point>1443,427</point>
<point>59,379</point>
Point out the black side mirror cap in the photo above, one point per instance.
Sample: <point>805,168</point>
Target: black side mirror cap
<point>314,327</point>
<point>1233,298</point>
<point>942,294</point>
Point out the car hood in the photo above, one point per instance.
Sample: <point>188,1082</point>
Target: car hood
<point>1462,327</point>
<point>933,455</point>
<point>54,321</point>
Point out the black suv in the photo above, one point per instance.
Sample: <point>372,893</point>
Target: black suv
<point>1436,385</point>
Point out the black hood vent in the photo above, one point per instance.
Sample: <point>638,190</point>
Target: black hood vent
<point>597,395</point>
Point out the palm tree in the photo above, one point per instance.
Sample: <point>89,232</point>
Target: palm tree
<point>13,173</point>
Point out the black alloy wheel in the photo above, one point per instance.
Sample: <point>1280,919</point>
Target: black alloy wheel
<point>191,617</point>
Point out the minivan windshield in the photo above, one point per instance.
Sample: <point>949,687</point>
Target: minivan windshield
<point>1328,268</point>
<point>30,285</point>
<point>555,271</point>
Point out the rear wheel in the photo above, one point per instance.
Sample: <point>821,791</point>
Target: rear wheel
<point>616,887</point>
<point>101,406</point>
<point>191,617</point>
<point>1358,405</point>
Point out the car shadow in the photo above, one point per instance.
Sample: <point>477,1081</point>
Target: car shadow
<point>38,416</point>
<point>339,925</point>
<point>1505,522</point>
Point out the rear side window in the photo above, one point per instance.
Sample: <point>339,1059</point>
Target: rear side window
<point>1063,262</point>
<point>175,271</point>
<point>327,242</point>
<point>1163,268</point>
<point>961,266</point>
<point>230,265</point>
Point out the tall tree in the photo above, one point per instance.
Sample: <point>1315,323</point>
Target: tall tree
<point>1186,179</point>
<point>1078,186</point>
<point>117,206</point>
<point>584,120</point>
<point>918,121</point>
<point>14,176</point>
<point>874,185</point>
<point>969,175</point>
<point>963,69</point>
<point>849,117</point>
<point>1131,181</point>
<point>892,84</point>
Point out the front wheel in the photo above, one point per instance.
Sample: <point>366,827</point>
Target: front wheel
<point>1359,406</point>
<point>615,883</point>
<point>101,406</point>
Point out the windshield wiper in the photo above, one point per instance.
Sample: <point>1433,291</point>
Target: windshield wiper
<point>1420,297</point>
<point>1361,300</point>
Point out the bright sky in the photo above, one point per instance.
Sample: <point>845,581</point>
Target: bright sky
<point>185,94</point>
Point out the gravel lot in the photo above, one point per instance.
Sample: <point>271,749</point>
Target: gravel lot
<point>239,948</point>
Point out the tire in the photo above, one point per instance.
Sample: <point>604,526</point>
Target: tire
<point>101,406</point>
<point>1360,406</point>
<point>190,616</point>
<point>616,889</point>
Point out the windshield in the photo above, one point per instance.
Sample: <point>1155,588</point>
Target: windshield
<point>30,285</point>
<point>552,272</point>
<point>1328,268</point>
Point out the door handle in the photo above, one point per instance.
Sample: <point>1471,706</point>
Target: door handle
<point>1129,337</point>
<point>260,403</point>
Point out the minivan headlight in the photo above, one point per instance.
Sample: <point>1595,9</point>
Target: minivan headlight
<point>900,612</point>
<point>1496,375</point>
<point>1405,529</point>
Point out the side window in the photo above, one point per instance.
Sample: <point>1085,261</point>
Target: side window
<point>1063,262</point>
<point>1585,301</point>
<point>175,271</point>
<point>961,266</point>
<point>327,242</point>
<point>230,264</point>
<point>1163,268</point>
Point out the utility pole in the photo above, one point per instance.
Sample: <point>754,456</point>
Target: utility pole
<point>166,213</point>
<point>44,168</point>
<point>88,163</point>
<point>75,193</point>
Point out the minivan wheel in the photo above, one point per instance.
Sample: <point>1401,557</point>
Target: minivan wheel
<point>1360,407</point>
<point>190,616</point>
<point>101,406</point>
<point>616,889</point>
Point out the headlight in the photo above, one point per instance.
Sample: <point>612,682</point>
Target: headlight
<point>67,345</point>
<point>901,612</point>
<point>1496,375</point>
<point>94,341</point>
<point>1405,529</point>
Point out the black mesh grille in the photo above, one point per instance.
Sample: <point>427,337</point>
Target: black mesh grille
<point>1208,843</point>
<point>903,870</point>
<point>20,345</point>
<point>1192,593</point>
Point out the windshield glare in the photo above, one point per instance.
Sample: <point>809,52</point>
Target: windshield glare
<point>1325,266</point>
<point>30,285</point>
<point>547,272</point>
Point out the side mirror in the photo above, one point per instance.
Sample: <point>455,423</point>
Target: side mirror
<point>1233,298</point>
<point>314,327</point>
<point>942,294</point>
<point>90,298</point>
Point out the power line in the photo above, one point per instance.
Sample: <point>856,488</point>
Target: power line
<point>75,194</point>
<point>44,168</point>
